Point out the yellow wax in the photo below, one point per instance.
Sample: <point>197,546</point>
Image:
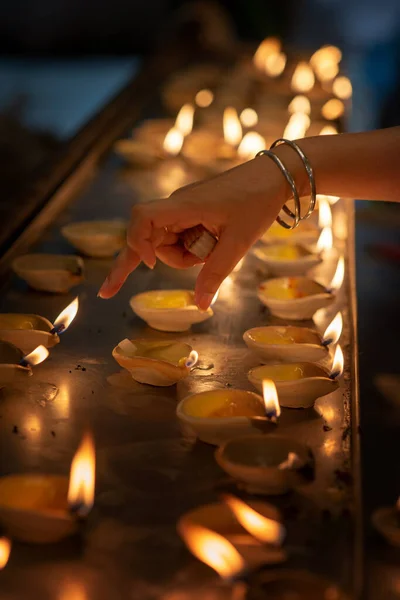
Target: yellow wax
<point>224,403</point>
<point>284,252</point>
<point>289,289</point>
<point>171,353</point>
<point>235,409</point>
<point>34,492</point>
<point>289,372</point>
<point>167,299</point>
<point>274,336</point>
<point>19,321</point>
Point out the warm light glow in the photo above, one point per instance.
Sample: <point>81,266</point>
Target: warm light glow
<point>272,406</point>
<point>33,424</point>
<point>263,529</point>
<point>67,315</point>
<point>173,142</point>
<point>303,78</point>
<point>342,87</point>
<point>325,240</point>
<point>338,277</point>
<point>239,265</point>
<point>325,62</point>
<point>248,117</point>
<point>251,143</point>
<point>82,477</point>
<point>72,590</point>
<point>213,550</point>
<point>328,130</point>
<point>338,362</point>
<point>332,199</point>
<point>333,109</point>
<point>5,550</point>
<point>213,301</point>
<point>275,64</point>
<point>232,126</point>
<point>184,119</point>
<point>331,53</point>
<point>334,329</point>
<point>192,359</point>
<point>324,212</point>
<point>297,126</point>
<point>293,461</point>
<point>268,47</point>
<point>36,356</point>
<point>204,98</point>
<point>300,104</point>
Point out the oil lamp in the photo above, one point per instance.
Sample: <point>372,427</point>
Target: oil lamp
<point>55,273</point>
<point>5,550</point>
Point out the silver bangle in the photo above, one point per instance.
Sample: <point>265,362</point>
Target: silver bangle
<point>296,215</point>
<point>309,171</point>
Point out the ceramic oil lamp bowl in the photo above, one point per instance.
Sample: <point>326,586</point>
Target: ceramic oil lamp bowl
<point>10,369</point>
<point>306,233</point>
<point>263,465</point>
<point>169,310</point>
<point>218,415</point>
<point>143,153</point>
<point>386,521</point>
<point>220,518</point>
<point>293,584</point>
<point>100,239</point>
<point>206,148</point>
<point>287,259</point>
<point>27,331</point>
<point>295,298</point>
<point>274,344</point>
<point>50,272</point>
<point>153,129</point>
<point>158,362</point>
<point>298,385</point>
<point>34,508</point>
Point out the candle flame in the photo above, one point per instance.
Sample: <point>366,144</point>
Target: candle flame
<point>300,104</point>
<point>334,329</point>
<point>251,143</point>
<point>212,549</point>
<point>333,109</point>
<point>303,78</point>
<point>67,315</point>
<point>338,362</point>
<point>275,64</point>
<point>232,126</point>
<point>192,359</point>
<point>82,477</point>
<point>5,550</point>
<point>184,119</point>
<point>324,212</point>
<point>269,46</point>
<point>204,98</point>
<point>173,142</point>
<point>267,531</point>
<point>342,87</point>
<point>272,406</point>
<point>325,240</point>
<point>36,356</point>
<point>297,126</point>
<point>325,62</point>
<point>328,130</point>
<point>249,117</point>
<point>338,277</point>
<point>292,461</point>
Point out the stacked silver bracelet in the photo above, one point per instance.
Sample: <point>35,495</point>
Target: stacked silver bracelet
<point>296,215</point>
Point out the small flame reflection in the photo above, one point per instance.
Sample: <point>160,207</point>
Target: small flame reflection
<point>342,87</point>
<point>213,550</point>
<point>300,104</point>
<point>232,126</point>
<point>204,98</point>
<point>36,356</point>
<point>325,240</point>
<point>292,462</point>
<point>275,64</point>
<point>297,126</point>
<point>173,142</point>
<point>328,130</point>
<point>184,119</point>
<point>338,277</point>
<point>333,109</point>
<point>338,362</point>
<point>262,528</point>
<point>66,316</point>
<point>82,477</point>
<point>272,406</point>
<point>251,143</point>
<point>249,117</point>
<point>324,212</point>
<point>303,78</point>
<point>5,551</point>
<point>192,359</point>
<point>334,329</point>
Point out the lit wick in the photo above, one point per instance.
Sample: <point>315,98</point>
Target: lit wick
<point>338,363</point>
<point>272,406</point>
<point>192,359</point>
<point>35,357</point>
<point>333,331</point>
<point>65,317</point>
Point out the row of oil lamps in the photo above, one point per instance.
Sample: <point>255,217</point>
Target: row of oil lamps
<point>41,508</point>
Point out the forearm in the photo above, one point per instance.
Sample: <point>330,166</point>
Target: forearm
<point>351,165</point>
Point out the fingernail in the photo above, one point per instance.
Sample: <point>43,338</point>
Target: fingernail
<point>204,301</point>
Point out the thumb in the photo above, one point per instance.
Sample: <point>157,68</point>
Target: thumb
<point>227,253</point>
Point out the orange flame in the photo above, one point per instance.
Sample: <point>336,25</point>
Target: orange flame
<point>334,329</point>
<point>272,406</point>
<point>249,117</point>
<point>184,119</point>
<point>251,143</point>
<point>232,126</point>
<point>36,356</point>
<point>342,87</point>
<point>82,477</point>
<point>303,78</point>
<point>338,362</point>
<point>328,130</point>
<point>173,142</point>
<point>204,98</point>
<point>325,62</point>
<point>275,64</point>
<point>192,359</point>
<point>262,528</point>
<point>338,277</point>
<point>324,212</point>
<point>268,47</point>
<point>300,104</point>
<point>213,550</point>
<point>67,315</point>
<point>325,240</point>
<point>333,109</point>
<point>297,126</point>
<point>5,550</point>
